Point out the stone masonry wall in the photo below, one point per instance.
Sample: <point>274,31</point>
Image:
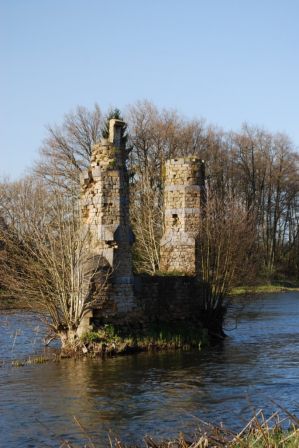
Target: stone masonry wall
<point>105,214</point>
<point>170,298</point>
<point>161,299</point>
<point>183,194</point>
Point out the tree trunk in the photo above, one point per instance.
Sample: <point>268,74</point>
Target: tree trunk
<point>69,339</point>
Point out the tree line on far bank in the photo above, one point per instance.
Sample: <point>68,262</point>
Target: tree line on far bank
<point>256,169</point>
<point>248,233</point>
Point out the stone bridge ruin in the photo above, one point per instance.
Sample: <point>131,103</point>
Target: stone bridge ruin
<point>105,212</point>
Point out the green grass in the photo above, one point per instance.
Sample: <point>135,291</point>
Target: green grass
<point>173,274</point>
<point>264,289</point>
<point>261,432</point>
<point>29,361</point>
<point>112,340</point>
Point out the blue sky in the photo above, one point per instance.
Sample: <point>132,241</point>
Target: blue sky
<point>228,61</point>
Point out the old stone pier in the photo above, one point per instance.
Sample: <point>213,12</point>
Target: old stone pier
<point>177,295</point>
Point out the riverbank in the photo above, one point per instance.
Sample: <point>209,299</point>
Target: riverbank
<point>267,288</point>
<point>110,340</point>
<point>10,303</point>
<point>260,439</point>
<point>277,431</point>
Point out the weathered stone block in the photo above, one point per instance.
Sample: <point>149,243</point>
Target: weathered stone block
<point>183,183</point>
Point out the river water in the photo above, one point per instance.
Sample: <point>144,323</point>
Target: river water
<point>159,394</point>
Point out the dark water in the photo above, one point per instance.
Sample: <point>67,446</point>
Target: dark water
<point>158,394</point>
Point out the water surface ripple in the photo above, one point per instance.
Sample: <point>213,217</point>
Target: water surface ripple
<point>158,394</point>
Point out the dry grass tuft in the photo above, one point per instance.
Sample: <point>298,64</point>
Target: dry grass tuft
<point>260,432</point>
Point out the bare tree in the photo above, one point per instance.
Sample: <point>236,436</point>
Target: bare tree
<point>155,136</point>
<point>67,148</point>
<point>225,247</point>
<point>46,257</point>
<point>146,218</point>
<point>255,166</point>
<point>266,178</point>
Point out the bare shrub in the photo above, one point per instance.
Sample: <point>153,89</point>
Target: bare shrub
<point>45,257</point>
<point>225,246</point>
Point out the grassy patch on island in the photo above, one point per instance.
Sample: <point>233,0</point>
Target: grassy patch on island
<point>113,340</point>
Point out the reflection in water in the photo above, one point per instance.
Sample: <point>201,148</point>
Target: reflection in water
<point>159,393</point>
